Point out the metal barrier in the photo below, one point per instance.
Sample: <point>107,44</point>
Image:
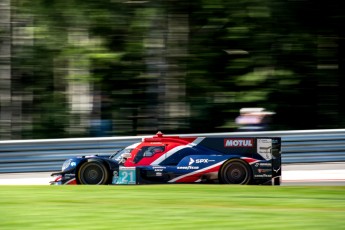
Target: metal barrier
<point>301,146</point>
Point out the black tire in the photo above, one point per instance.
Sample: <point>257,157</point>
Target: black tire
<point>235,172</point>
<point>93,172</point>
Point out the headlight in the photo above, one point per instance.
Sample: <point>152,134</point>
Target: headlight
<point>66,164</point>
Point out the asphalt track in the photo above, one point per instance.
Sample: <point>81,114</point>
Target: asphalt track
<point>292,174</point>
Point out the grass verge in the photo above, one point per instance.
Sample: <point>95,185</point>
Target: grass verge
<point>172,207</point>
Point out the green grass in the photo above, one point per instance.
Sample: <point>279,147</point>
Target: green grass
<point>172,207</point>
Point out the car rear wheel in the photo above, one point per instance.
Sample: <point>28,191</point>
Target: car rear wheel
<point>93,172</point>
<point>235,172</point>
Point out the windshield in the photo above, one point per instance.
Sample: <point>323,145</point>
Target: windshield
<point>122,155</point>
<point>118,155</point>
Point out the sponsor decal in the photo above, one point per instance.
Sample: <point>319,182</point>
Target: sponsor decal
<point>187,167</point>
<point>263,175</point>
<point>239,142</point>
<point>69,175</point>
<point>264,148</point>
<point>115,177</point>
<point>199,161</point>
<point>73,163</point>
<point>263,164</point>
<point>158,169</point>
<point>191,161</point>
<point>264,170</point>
<point>276,170</point>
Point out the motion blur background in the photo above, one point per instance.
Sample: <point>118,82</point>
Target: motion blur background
<point>77,68</point>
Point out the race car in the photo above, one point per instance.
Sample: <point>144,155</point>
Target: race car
<point>174,159</point>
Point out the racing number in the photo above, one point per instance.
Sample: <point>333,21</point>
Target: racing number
<point>127,175</point>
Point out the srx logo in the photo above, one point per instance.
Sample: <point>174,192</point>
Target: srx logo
<point>198,161</point>
<point>243,142</point>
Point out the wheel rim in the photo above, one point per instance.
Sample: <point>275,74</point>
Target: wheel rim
<point>92,173</point>
<point>236,173</point>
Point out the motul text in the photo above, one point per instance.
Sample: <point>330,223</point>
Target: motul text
<point>239,143</point>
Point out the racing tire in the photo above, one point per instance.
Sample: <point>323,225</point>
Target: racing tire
<point>93,172</point>
<point>235,172</point>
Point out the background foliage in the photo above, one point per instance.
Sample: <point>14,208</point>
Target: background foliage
<point>111,67</point>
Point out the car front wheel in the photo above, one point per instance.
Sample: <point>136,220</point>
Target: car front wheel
<point>93,172</point>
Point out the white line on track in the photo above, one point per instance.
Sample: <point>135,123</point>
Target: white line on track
<point>314,175</point>
<point>40,178</point>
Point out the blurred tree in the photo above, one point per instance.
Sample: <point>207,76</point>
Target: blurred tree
<point>273,61</point>
<point>180,66</point>
<point>6,118</point>
<point>75,52</point>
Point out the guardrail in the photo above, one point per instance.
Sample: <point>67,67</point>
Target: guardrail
<point>301,146</point>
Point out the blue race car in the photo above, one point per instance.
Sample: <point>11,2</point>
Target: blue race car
<point>174,159</point>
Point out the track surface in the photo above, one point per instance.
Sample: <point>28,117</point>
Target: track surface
<point>292,174</point>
